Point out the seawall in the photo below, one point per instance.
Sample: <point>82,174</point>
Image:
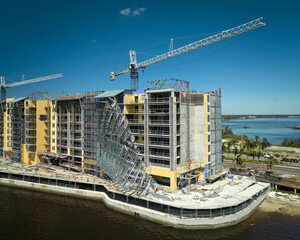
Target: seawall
<point>177,219</point>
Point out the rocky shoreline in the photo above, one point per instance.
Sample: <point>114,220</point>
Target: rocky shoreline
<point>281,203</point>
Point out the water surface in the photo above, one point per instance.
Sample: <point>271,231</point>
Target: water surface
<point>33,215</point>
<point>274,129</point>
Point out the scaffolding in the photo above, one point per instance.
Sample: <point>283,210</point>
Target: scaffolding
<point>116,152</point>
<point>2,110</point>
<point>18,133</point>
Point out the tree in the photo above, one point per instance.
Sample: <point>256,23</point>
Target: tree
<point>235,151</point>
<point>265,143</point>
<point>259,154</point>
<point>270,163</point>
<point>238,161</point>
<point>224,148</point>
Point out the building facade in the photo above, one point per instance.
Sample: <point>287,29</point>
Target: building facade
<point>176,132</point>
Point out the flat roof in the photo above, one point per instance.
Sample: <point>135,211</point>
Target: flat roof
<point>18,99</point>
<point>69,97</point>
<point>111,93</point>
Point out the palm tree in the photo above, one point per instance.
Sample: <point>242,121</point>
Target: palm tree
<point>238,161</point>
<point>259,154</point>
<point>235,151</point>
<point>265,143</point>
<point>270,163</point>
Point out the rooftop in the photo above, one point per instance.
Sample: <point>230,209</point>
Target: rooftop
<point>69,97</point>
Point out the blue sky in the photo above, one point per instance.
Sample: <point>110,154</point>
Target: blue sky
<point>258,71</point>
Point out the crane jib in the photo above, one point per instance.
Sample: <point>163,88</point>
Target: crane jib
<point>204,42</point>
<point>192,46</point>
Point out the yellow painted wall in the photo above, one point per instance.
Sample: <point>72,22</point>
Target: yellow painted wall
<point>130,105</point>
<point>53,128</point>
<point>6,142</point>
<point>42,129</point>
<point>164,172</point>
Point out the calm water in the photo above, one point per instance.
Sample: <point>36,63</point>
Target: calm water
<point>274,129</point>
<point>32,215</point>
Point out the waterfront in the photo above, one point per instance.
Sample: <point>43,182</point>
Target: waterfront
<point>33,215</point>
<point>274,129</point>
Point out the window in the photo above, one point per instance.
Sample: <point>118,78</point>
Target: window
<point>142,117</point>
<point>207,98</point>
<point>208,118</point>
<point>208,128</point>
<point>208,138</point>
<point>53,148</point>
<point>207,108</point>
<point>208,147</point>
<point>53,117</point>
<point>7,131</point>
<point>208,158</point>
<point>53,109</point>
<point>136,99</point>
<point>53,140</point>
<point>136,108</point>
<point>43,117</point>
<point>142,107</point>
<point>53,124</point>
<point>53,132</point>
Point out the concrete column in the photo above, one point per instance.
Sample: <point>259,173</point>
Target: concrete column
<point>172,138</point>
<point>146,131</point>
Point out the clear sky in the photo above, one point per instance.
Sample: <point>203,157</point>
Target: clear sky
<point>258,71</point>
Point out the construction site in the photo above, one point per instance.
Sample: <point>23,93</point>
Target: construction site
<point>151,144</point>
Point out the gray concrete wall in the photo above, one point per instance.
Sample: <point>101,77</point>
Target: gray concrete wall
<point>216,134</point>
<point>196,134</point>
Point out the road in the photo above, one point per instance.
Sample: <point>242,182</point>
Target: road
<point>276,168</point>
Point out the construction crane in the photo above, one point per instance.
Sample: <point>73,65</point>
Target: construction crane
<point>3,85</point>
<point>133,67</point>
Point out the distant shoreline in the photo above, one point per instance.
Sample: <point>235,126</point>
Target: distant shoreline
<point>234,117</point>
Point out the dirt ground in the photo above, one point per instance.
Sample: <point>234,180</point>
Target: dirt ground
<point>281,205</point>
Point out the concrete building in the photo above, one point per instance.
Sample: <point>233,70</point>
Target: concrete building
<point>178,150</point>
<point>177,132</point>
<point>26,128</point>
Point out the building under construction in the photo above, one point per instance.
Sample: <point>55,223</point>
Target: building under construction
<point>166,130</point>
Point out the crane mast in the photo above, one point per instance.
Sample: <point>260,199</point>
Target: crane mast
<point>134,66</point>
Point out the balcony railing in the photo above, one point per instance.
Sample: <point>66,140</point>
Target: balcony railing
<point>139,121</point>
<point>159,143</point>
<point>159,132</point>
<point>159,122</point>
<point>158,100</point>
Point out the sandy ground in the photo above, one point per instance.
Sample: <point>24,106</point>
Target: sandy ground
<point>281,205</point>
<point>297,150</point>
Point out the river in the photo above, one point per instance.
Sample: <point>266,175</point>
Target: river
<point>274,129</point>
<point>33,215</point>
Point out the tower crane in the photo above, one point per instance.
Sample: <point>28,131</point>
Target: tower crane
<point>134,66</point>
<point>3,85</point>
